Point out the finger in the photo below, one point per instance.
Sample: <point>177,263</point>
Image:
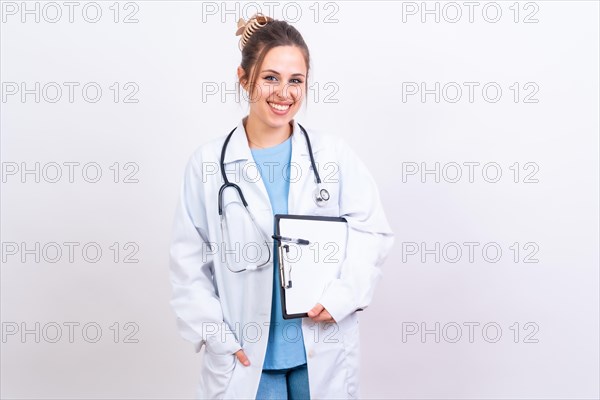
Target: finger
<point>330,317</point>
<point>241,356</point>
<point>323,316</point>
<point>315,310</point>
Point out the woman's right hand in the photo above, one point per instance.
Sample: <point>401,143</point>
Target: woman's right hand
<point>241,356</point>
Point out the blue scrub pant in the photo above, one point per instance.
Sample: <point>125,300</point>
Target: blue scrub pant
<point>282,384</point>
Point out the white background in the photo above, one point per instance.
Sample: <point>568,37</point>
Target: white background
<point>360,58</point>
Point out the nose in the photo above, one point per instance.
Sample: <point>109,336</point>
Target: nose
<point>280,93</point>
<point>281,90</point>
<point>285,91</point>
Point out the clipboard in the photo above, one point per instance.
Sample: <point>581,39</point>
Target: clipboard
<point>311,252</point>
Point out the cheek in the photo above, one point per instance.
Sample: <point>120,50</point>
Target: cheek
<point>256,96</point>
<point>259,94</point>
<point>266,92</point>
<point>296,92</point>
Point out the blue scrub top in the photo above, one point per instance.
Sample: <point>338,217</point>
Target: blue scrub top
<point>285,348</point>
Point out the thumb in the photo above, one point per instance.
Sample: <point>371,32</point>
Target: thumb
<point>241,356</point>
<point>315,310</point>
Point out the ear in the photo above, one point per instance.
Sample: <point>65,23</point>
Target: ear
<point>240,73</point>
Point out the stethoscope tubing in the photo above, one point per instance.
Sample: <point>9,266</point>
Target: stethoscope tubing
<point>227,184</point>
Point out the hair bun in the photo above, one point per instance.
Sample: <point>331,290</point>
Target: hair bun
<point>246,29</point>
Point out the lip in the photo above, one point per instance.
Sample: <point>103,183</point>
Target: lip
<point>279,112</point>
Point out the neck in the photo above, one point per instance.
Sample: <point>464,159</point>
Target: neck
<point>262,136</point>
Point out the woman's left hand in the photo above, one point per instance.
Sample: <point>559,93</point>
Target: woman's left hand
<point>319,314</point>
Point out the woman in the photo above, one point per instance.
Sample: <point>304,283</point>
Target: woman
<point>234,313</point>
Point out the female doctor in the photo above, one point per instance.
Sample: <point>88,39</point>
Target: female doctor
<point>232,187</point>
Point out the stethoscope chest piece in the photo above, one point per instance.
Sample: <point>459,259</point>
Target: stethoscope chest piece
<point>321,195</point>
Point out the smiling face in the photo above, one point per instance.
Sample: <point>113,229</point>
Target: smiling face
<point>279,88</point>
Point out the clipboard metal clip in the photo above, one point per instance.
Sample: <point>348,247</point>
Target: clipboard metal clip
<point>281,239</point>
<point>282,270</point>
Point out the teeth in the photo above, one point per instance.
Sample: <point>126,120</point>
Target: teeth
<point>279,107</point>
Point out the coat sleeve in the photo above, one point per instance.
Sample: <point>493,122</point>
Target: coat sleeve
<point>194,298</point>
<point>370,238</point>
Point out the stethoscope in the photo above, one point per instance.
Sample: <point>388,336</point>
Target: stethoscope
<point>321,196</point>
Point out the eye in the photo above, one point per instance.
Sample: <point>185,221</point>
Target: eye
<point>297,81</point>
<point>268,77</point>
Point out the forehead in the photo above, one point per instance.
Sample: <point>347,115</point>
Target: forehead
<point>285,59</point>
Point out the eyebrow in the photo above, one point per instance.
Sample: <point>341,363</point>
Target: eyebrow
<point>275,72</point>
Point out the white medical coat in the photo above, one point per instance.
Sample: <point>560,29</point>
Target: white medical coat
<point>221,312</point>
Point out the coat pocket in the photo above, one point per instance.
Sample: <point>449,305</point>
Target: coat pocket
<point>216,372</point>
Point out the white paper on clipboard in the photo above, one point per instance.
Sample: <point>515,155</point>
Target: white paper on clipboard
<point>305,270</point>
